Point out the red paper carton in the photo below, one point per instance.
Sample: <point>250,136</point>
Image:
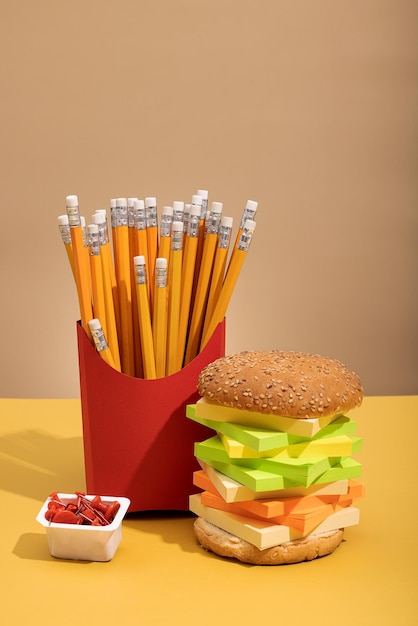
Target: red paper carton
<point>138,442</point>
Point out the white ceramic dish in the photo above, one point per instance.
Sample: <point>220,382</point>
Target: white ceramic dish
<point>84,542</point>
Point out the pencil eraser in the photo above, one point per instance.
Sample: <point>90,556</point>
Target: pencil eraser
<point>197,200</point>
<point>94,324</point>
<point>150,202</point>
<point>139,204</point>
<point>176,226</point>
<point>113,203</point>
<point>195,210</point>
<point>216,207</point>
<point>71,201</point>
<point>249,225</point>
<point>63,220</point>
<point>83,221</point>
<point>131,201</point>
<point>167,210</point>
<point>227,221</point>
<point>121,202</point>
<point>161,263</point>
<point>139,260</point>
<point>251,205</point>
<point>203,193</point>
<point>98,218</point>
<point>178,205</point>
<point>92,228</point>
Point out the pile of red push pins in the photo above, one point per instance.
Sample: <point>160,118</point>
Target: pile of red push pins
<point>82,511</point>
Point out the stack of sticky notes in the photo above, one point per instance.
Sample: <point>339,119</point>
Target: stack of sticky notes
<point>277,481</point>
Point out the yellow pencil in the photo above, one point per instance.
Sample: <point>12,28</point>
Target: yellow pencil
<point>106,253</point>
<point>230,280</point>
<point>144,316</point>
<point>131,231</point>
<point>139,370</point>
<point>109,286</point>
<point>140,226</point>
<point>165,232</point>
<point>131,220</point>
<point>112,257</point>
<point>186,217</point>
<point>100,341</point>
<point>81,262</point>
<point>152,241</point>
<point>174,295</point>
<point>198,200</point>
<point>219,267</point>
<point>99,306</point>
<point>86,259</point>
<point>64,228</point>
<point>205,270</point>
<point>123,276</point>
<point>187,275</point>
<point>159,320</point>
<point>113,220</point>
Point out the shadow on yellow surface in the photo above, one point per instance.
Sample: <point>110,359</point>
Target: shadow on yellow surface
<point>34,463</point>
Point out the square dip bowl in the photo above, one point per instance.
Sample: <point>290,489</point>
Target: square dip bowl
<point>84,542</point>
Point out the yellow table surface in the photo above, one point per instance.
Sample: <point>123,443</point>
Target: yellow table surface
<point>159,574</point>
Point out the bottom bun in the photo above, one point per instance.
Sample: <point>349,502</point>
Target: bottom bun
<point>225,544</point>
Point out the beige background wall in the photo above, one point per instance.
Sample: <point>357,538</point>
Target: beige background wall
<point>308,107</point>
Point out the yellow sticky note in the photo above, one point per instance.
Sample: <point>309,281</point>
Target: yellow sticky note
<point>343,445</point>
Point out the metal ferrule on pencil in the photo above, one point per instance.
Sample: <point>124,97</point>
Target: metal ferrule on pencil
<point>99,339</point>
<point>177,236</point>
<point>193,225</point>
<point>151,212</point>
<point>246,236</point>
<point>100,220</point>
<point>140,270</point>
<point>178,211</point>
<point>131,219</point>
<point>249,212</point>
<point>64,228</point>
<point>214,219</point>
<point>93,239</point>
<point>166,221</point>
<point>140,218</point>
<point>121,213</point>
<point>224,235</point>
<point>74,218</point>
<point>161,273</point>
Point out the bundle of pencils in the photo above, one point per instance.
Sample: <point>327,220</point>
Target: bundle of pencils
<point>151,292</point>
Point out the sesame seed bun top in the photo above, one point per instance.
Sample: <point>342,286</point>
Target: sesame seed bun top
<point>290,384</point>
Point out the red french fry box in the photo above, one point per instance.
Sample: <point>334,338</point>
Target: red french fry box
<point>137,440</point>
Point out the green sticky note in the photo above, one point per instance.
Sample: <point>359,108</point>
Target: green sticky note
<point>342,469</point>
<point>302,471</point>
<point>254,479</point>
<point>341,426</point>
